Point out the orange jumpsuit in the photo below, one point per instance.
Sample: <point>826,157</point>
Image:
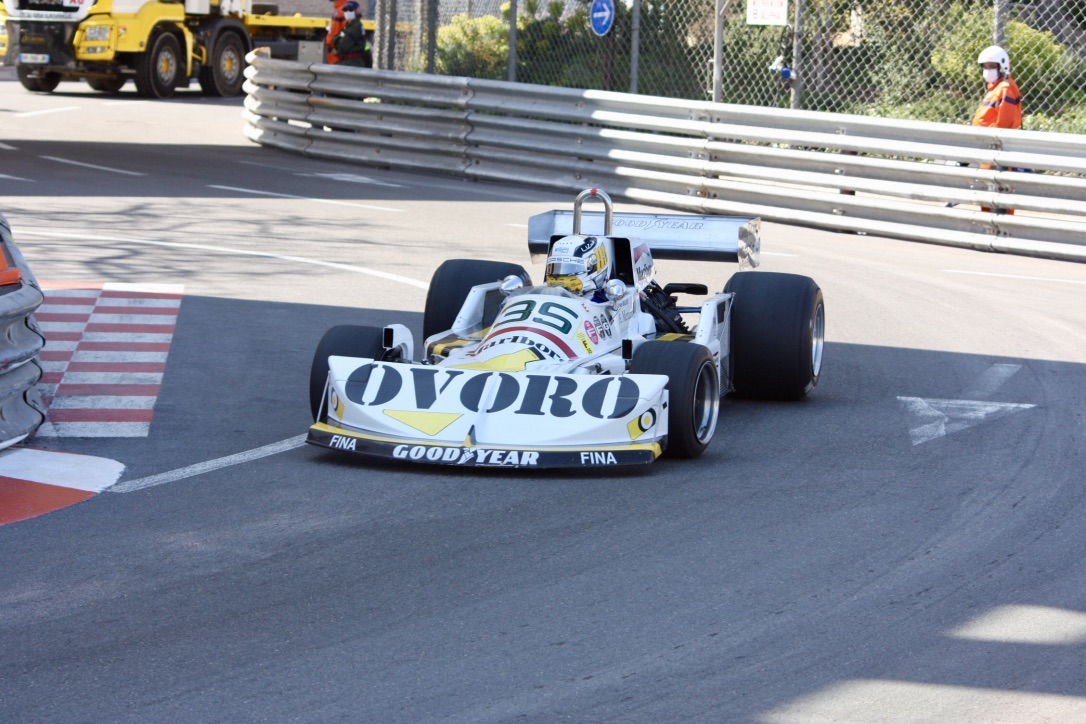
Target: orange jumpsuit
<point>1001,107</point>
<point>338,23</point>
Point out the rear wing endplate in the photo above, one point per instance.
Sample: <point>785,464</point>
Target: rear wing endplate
<point>669,236</point>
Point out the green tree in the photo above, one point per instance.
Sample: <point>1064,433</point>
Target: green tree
<point>473,47</point>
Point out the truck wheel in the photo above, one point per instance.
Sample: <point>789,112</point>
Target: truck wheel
<point>450,285</point>
<point>693,392</point>
<point>346,340</point>
<point>778,332</point>
<point>159,69</point>
<point>44,83</point>
<point>109,85</point>
<point>224,75</point>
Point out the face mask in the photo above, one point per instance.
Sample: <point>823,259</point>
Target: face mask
<point>349,15</point>
<point>991,75</point>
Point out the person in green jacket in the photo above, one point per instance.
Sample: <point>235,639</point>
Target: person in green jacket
<point>352,45</point>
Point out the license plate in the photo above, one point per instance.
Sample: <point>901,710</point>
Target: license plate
<point>34,58</point>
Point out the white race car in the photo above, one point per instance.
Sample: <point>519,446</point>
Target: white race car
<point>596,367</point>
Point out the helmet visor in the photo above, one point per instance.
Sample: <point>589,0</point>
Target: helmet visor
<point>564,266</point>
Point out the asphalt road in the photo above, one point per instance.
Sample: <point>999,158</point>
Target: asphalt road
<point>904,545</point>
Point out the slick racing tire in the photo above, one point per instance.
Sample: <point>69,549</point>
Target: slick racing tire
<point>225,73</point>
<point>346,340</point>
<point>158,71</point>
<point>693,392</point>
<point>778,333</point>
<point>450,285</point>
<point>110,85</point>
<point>45,83</point>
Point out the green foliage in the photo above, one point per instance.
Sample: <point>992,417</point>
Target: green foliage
<point>749,50</point>
<point>474,47</point>
<point>676,48</point>
<point>1043,68</point>
<point>1071,120</point>
<point>912,59</point>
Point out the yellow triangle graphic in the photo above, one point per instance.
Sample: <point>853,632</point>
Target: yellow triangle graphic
<point>428,423</point>
<point>512,362</point>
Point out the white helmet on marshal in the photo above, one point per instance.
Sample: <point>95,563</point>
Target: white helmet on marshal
<point>996,54</point>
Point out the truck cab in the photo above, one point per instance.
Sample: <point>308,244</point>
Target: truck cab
<point>159,45</point>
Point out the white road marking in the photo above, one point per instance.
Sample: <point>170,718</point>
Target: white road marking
<point>16,178</point>
<point>1015,276</point>
<point>6,147</point>
<point>302,198</point>
<point>112,378</point>
<point>59,326</point>
<point>94,429</point>
<point>349,178</point>
<point>99,356</point>
<point>151,481</point>
<point>28,114</point>
<point>142,302</point>
<point>91,165</point>
<point>939,417</point>
<point>163,319</point>
<point>52,467</point>
<point>943,417</point>
<point>103,402</point>
<point>990,381</point>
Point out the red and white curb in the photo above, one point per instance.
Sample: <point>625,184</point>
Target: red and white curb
<point>104,357</point>
<point>34,482</point>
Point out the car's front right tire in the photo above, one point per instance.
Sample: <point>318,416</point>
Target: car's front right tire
<point>345,340</point>
<point>450,285</point>
<point>693,392</point>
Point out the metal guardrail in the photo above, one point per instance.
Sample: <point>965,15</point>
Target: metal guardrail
<point>21,411</point>
<point>878,176</point>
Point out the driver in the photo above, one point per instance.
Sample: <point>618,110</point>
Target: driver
<point>579,264</point>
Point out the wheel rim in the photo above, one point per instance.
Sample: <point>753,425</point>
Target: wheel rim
<point>706,404</point>
<point>229,65</point>
<point>818,338</point>
<point>167,67</point>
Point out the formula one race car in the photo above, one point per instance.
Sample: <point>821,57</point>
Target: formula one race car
<point>595,367</point>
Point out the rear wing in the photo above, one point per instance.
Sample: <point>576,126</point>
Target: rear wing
<point>669,236</point>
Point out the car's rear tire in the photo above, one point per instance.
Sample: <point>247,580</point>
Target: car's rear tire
<point>693,392</point>
<point>346,340</point>
<point>450,285</point>
<point>778,329</point>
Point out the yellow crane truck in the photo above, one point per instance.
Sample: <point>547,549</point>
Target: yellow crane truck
<point>160,45</point>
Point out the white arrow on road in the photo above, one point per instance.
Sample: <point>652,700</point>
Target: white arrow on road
<point>939,417</point>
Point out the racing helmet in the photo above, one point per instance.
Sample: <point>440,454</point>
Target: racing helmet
<point>996,54</point>
<point>578,263</point>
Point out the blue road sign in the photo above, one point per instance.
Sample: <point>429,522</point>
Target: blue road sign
<point>602,16</point>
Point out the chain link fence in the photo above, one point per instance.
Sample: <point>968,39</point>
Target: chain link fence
<point>893,58</point>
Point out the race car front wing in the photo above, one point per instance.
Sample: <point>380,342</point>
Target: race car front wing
<point>471,455</point>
